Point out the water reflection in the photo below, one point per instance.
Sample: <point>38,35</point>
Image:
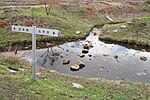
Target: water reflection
<point>109,61</point>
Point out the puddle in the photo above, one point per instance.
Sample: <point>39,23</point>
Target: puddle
<point>109,61</point>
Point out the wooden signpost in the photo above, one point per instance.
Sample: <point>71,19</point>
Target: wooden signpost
<point>33,30</point>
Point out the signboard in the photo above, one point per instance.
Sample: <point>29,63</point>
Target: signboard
<point>33,30</point>
<point>49,32</point>
<point>23,29</point>
<point>40,31</point>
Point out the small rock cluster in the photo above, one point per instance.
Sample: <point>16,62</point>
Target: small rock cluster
<point>79,65</point>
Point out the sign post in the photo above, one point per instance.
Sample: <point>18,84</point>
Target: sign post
<point>33,30</point>
<point>33,53</point>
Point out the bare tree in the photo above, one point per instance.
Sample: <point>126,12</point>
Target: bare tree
<point>48,5</point>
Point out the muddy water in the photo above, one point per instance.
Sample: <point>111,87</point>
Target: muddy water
<point>109,61</point>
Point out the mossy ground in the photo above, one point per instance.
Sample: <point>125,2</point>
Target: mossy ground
<point>51,85</point>
<point>136,31</point>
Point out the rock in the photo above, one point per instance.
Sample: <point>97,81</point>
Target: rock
<point>72,46</point>
<point>66,61</point>
<point>90,55</point>
<point>130,23</point>
<point>115,31</point>
<point>14,69</point>
<point>108,70</point>
<point>75,85</point>
<point>77,66</point>
<point>78,32</point>
<point>116,57</point>
<point>143,50</point>
<point>87,45</point>
<point>67,50</point>
<point>38,74</point>
<point>81,55</point>
<point>61,56</point>
<point>48,44</point>
<point>139,74</point>
<point>105,54</point>
<point>38,92</point>
<point>145,70</point>
<point>74,67</point>
<point>123,26</point>
<point>81,64</point>
<point>26,48</point>
<point>143,58</point>
<point>143,73</point>
<point>85,51</point>
<point>21,69</point>
<point>101,69</point>
<point>94,34</point>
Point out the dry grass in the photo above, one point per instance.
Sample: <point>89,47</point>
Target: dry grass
<point>116,8</point>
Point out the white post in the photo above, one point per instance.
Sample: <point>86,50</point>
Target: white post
<point>33,53</point>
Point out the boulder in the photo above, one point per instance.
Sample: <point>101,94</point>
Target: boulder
<point>66,61</point>
<point>87,45</point>
<point>80,64</point>
<point>143,58</point>
<point>77,66</point>
<point>74,67</point>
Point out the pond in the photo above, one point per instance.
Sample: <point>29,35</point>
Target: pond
<point>103,60</point>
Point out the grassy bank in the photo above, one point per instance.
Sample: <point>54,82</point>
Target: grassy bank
<point>68,21</point>
<point>135,31</point>
<point>51,85</point>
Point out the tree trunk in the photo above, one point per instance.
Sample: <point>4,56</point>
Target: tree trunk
<point>48,9</point>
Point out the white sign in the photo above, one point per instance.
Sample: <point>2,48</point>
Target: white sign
<point>40,31</point>
<point>23,29</point>
<point>49,32</point>
<point>33,30</point>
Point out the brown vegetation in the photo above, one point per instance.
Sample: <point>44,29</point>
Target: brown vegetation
<point>3,23</point>
<point>119,8</point>
<point>27,22</point>
<point>90,9</point>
